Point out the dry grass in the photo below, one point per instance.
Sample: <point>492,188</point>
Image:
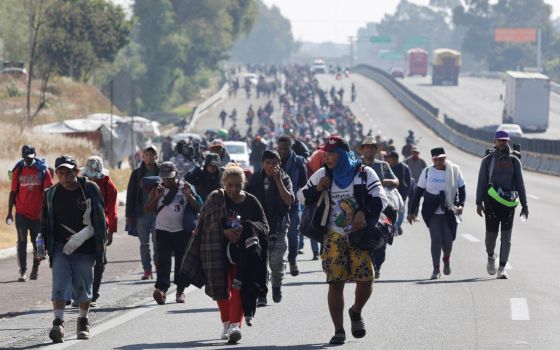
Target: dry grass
<point>120,177</point>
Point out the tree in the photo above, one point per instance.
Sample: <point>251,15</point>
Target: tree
<point>270,41</point>
<point>180,39</point>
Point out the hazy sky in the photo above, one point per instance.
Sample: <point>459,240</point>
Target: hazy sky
<point>336,20</point>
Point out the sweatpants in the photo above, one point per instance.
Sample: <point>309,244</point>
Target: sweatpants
<point>231,309</point>
<point>168,244</point>
<point>498,216</point>
<point>441,236</point>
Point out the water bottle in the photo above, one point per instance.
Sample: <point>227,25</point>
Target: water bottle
<point>523,217</point>
<point>237,222</point>
<point>41,251</point>
<point>458,218</point>
<point>9,221</point>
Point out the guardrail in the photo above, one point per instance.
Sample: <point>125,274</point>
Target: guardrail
<point>538,155</point>
<point>207,104</point>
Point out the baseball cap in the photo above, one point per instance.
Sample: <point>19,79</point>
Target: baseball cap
<point>438,152</point>
<point>150,147</point>
<point>66,162</point>
<point>212,159</point>
<point>28,151</point>
<point>335,142</point>
<point>393,154</point>
<point>502,135</point>
<point>167,170</point>
<point>414,149</point>
<point>217,143</point>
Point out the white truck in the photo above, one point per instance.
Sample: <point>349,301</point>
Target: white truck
<point>527,100</point>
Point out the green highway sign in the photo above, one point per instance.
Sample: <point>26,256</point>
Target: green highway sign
<point>390,55</point>
<point>381,39</point>
<point>416,41</point>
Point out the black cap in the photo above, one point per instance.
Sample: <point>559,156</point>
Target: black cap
<point>438,152</point>
<point>28,151</point>
<point>393,154</point>
<point>65,161</point>
<point>167,170</point>
<point>212,159</point>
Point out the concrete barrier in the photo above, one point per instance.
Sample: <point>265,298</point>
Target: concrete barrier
<point>207,104</point>
<point>548,164</point>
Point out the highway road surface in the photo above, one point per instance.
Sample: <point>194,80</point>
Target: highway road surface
<point>476,102</point>
<point>466,310</point>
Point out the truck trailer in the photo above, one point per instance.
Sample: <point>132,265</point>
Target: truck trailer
<point>527,100</point>
<point>445,67</point>
<point>417,60</point>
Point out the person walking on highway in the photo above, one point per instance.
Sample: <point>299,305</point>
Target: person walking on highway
<point>416,165</point>
<point>443,189</point>
<point>206,179</point>
<point>223,115</point>
<point>30,178</point>
<point>74,227</point>
<point>257,149</point>
<point>402,172</point>
<point>176,205</point>
<point>294,166</point>
<point>95,172</point>
<point>138,221</point>
<point>228,215</point>
<point>368,150</point>
<point>217,146</point>
<point>499,190</point>
<point>343,262</point>
<point>273,188</point>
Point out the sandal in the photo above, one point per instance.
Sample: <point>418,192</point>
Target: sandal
<point>358,326</point>
<point>338,338</point>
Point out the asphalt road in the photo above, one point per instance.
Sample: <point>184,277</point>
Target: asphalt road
<point>476,102</point>
<point>466,310</point>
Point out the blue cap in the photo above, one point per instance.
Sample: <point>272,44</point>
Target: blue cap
<point>502,135</point>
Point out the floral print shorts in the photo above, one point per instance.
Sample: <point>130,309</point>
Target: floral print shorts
<point>342,262</point>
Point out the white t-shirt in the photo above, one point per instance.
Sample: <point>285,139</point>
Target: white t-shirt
<point>343,203</point>
<point>435,182</point>
<point>170,218</point>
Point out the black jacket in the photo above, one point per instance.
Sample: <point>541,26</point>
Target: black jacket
<point>134,206</point>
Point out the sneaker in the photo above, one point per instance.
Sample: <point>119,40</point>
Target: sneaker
<point>491,266</point>
<point>300,252</point>
<point>234,333</point>
<point>75,303</point>
<point>34,273</point>
<point>276,294</point>
<point>159,296</point>
<point>82,330</point>
<point>57,331</point>
<point>294,271</point>
<point>377,275</point>
<point>315,256</point>
<point>447,268</point>
<point>93,303</point>
<point>436,274</point>
<point>225,331</point>
<point>22,277</point>
<point>502,274</point>
<point>261,301</point>
<point>147,276</point>
<point>399,232</point>
<point>180,298</point>
<point>249,321</point>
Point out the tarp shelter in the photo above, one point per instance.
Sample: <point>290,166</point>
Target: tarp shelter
<point>97,128</point>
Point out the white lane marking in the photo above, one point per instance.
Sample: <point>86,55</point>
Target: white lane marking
<point>470,238</point>
<point>145,306</point>
<point>519,309</point>
<point>509,267</point>
<point>532,196</point>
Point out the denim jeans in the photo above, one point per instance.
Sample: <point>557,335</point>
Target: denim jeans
<point>293,234</point>
<point>146,227</point>
<point>314,244</point>
<point>23,226</point>
<point>72,275</point>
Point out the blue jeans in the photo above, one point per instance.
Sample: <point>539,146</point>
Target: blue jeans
<point>72,275</point>
<point>146,225</point>
<point>314,244</point>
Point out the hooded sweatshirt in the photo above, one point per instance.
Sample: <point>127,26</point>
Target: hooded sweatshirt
<point>507,174</point>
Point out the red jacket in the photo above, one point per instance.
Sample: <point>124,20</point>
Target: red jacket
<point>109,194</point>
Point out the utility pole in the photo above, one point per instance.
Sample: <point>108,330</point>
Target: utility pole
<point>351,39</point>
<point>539,49</point>
<point>111,154</point>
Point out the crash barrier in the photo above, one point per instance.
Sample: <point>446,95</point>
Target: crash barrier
<point>538,155</point>
<point>555,87</point>
<point>207,104</point>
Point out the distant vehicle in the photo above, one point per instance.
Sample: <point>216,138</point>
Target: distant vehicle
<point>527,100</point>
<point>417,60</point>
<point>252,77</point>
<point>445,67</point>
<point>397,72</point>
<point>14,70</point>
<point>239,152</point>
<point>319,67</point>
<point>512,129</point>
